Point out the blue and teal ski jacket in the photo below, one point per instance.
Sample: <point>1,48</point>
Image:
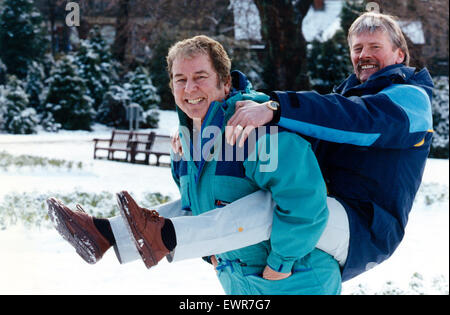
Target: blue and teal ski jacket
<point>212,173</point>
<point>371,141</point>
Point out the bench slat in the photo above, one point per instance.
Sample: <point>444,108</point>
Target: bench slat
<point>133,143</point>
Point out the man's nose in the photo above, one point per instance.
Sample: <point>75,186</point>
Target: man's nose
<point>191,86</point>
<point>365,53</point>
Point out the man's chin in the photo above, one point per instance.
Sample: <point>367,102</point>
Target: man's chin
<point>365,75</point>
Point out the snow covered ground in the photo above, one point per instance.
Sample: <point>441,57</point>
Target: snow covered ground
<point>36,260</point>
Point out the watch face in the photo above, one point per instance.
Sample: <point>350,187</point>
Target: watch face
<point>273,105</point>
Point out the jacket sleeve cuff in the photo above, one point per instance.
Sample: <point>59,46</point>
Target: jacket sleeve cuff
<point>280,264</point>
<point>277,113</point>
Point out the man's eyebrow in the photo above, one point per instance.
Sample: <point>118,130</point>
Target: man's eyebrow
<point>201,72</point>
<point>371,43</point>
<point>197,72</point>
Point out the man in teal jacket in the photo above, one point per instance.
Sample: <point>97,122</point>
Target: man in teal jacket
<point>212,174</point>
<point>212,180</point>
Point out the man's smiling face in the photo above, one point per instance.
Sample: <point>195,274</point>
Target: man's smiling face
<point>196,85</point>
<point>371,52</point>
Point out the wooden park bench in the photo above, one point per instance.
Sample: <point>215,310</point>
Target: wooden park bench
<point>132,144</point>
<point>157,145</point>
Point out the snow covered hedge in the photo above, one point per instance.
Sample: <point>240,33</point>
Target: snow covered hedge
<point>30,209</point>
<point>439,147</point>
<point>15,114</point>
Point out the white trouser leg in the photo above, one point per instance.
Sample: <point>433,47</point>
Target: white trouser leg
<point>242,223</point>
<point>245,222</point>
<point>336,236</point>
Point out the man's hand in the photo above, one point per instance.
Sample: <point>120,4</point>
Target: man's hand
<point>214,262</point>
<point>270,274</point>
<point>176,143</point>
<point>248,116</point>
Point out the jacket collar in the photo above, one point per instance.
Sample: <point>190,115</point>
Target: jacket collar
<point>398,73</point>
<point>215,119</point>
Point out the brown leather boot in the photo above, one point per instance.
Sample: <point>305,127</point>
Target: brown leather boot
<point>77,227</point>
<point>145,228</point>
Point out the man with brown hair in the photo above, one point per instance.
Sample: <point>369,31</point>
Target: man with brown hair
<point>205,100</point>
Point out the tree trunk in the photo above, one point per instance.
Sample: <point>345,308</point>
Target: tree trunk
<point>122,29</point>
<point>286,64</point>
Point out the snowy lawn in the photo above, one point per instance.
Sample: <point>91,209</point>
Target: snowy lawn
<point>36,260</point>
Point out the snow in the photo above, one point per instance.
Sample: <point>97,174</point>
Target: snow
<point>414,30</point>
<point>322,24</point>
<point>38,261</point>
<point>247,23</point>
<point>318,24</point>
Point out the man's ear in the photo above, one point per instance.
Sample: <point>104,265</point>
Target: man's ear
<point>400,56</point>
<point>227,85</point>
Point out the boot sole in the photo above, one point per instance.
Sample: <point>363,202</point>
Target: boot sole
<point>83,245</point>
<point>144,249</point>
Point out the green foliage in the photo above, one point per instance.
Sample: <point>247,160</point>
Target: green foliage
<point>3,71</point>
<point>418,285</point>
<point>144,93</point>
<point>18,117</point>
<point>34,84</point>
<point>150,118</point>
<point>329,62</point>
<point>142,90</point>
<point>22,36</point>
<point>350,11</point>
<point>68,99</point>
<point>439,146</point>
<point>158,72</point>
<point>30,208</point>
<point>112,109</point>
<point>8,161</point>
<point>95,66</point>
<point>432,194</point>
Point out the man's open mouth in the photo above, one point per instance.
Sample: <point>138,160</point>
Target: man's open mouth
<point>195,101</point>
<point>366,67</point>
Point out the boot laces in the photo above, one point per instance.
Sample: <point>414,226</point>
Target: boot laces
<point>80,208</point>
<point>151,215</point>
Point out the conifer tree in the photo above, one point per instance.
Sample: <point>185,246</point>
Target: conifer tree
<point>2,73</point>
<point>22,38</point>
<point>144,93</point>
<point>18,118</point>
<point>439,146</point>
<point>68,98</point>
<point>331,62</point>
<point>96,67</point>
<point>34,86</point>
<point>112,111</point>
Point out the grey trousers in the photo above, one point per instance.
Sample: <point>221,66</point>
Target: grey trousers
<point>245,222</point>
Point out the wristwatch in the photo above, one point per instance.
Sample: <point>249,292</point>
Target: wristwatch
<point>275,107</point>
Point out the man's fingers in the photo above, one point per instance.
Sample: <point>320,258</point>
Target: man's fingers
<point>228,133</point>
<point>173,143</point>
<point>236,133</point>
<point>270,274</point>
<point>234,120</point>
<point>244,136</point>
<point>176,144</point>
<point>214,262</point>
